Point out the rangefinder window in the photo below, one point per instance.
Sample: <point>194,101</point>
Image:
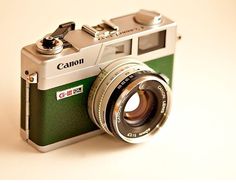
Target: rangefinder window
<point>151,42</point>
<point>117,50</point>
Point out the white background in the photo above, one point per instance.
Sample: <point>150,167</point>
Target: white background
<point>197,142</point>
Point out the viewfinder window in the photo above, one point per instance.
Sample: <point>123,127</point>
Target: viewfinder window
<point>151,42</point>
<point>116,50</point>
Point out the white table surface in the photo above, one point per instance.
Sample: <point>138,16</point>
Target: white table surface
<point>199,139</point>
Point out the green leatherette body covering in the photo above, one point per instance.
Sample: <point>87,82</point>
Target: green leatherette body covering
<point>163,65</point>
<point>53,120</point>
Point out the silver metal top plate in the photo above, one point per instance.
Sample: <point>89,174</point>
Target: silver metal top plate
<point>128,26</point>
<point>91,50</point>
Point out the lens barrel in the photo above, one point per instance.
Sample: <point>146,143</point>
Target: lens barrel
<point>113,88</point>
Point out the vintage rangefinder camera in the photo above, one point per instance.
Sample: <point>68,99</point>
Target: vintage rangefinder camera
<point>114,77</point>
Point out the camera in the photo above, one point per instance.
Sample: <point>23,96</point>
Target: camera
<point>114,77</point>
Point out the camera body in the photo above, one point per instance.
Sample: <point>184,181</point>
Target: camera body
<point>59,72</point>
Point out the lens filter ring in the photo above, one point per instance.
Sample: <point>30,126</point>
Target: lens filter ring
<point>155,100</point>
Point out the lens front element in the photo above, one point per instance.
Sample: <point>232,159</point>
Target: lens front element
<point>147,106</point>
<point>129,101</point>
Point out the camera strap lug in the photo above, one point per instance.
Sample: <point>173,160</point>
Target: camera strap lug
<point>32,78</point>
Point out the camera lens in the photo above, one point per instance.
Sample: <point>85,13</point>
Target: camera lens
<point>129,100</point>
<point>146,108</point>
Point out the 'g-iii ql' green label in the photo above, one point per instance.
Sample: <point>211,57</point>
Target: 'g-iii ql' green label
<point>69,92</point>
